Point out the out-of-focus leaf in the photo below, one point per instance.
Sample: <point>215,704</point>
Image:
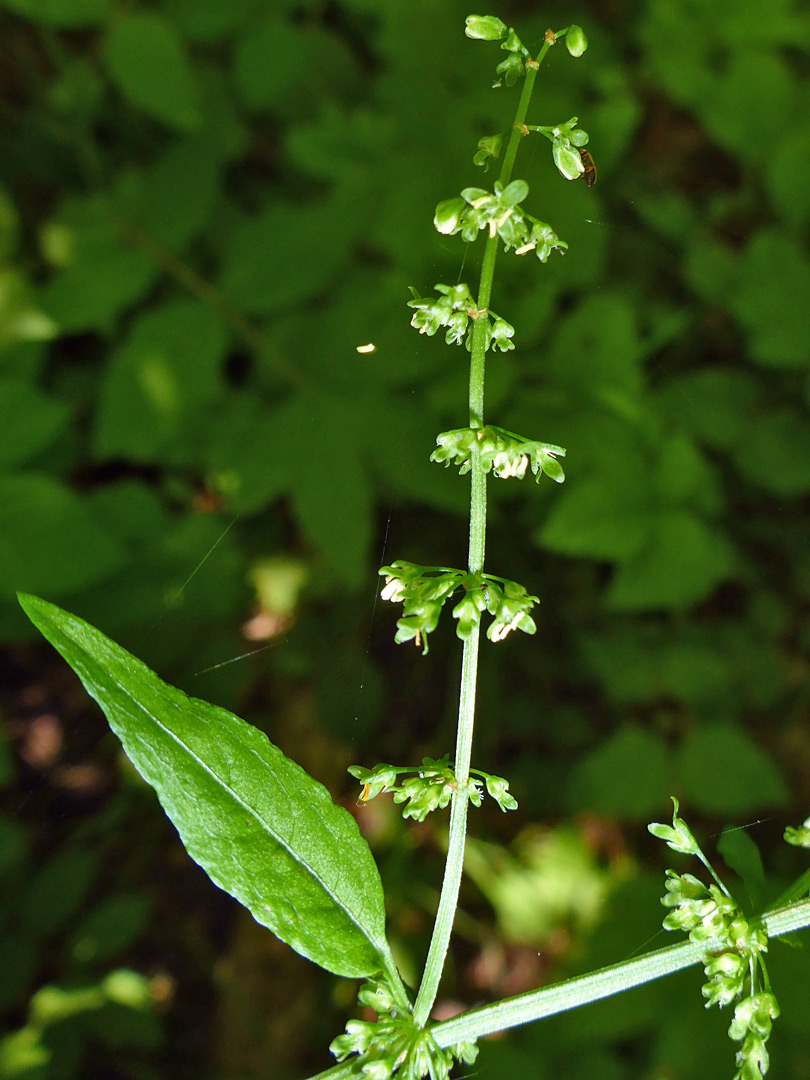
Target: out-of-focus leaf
<point>21,318</point>
<point>787,161</point>
<point>263,830</point>
<point>98,273</point>
<point>147,60</point>
<point>9,226</point>
<point>62,14</point>
<point>160,383</point>
<point>755,93</point>
<point>644,664</point>
<point>681,562</point>
<point>720,770</point>
<point>288,253</point>
<point>597,349</point>
<point>49,540</point>
<point>770,300</point>
<point>109,927</point>
<point>57,891</point>
<point>775,452</point>
<point>173,200</point>
<point>211,20</point>
<point>280,64</point>
<point>715,405</point>
<point>741,853</point>
<point>29,421</point>
<point>602,518</point>
<point>18,962</point>
<point>626,777</point>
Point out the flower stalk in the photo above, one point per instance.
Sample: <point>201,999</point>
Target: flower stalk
<point>451,883</point>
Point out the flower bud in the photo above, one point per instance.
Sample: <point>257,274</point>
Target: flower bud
<point>446,217</point>
<point>575,41</point>
<point>485,27</point>
<point>567,160</point>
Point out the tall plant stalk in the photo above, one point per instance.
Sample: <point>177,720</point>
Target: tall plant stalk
<point>454,864</point>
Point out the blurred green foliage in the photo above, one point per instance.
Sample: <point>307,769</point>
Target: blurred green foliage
<point>205,208</point>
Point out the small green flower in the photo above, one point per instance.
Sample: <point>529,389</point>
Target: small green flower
<point>567,160</point>
<point>575,40</point>
<point>679,837</point>
<point>484,27</point>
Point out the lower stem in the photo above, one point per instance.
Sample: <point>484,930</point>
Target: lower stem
<point>455,841</point>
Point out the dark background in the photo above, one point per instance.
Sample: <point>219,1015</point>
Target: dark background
<point>205,208</point>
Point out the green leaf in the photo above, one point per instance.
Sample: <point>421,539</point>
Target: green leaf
<point>601,518</point>
<point>9,226</point>
<point>22,320</point>
<point>720,770</point>
<point>98,273</point>
<point>692,402</point>
<point>173,200</point>
<point>19,961</point>
<point>146,59</point>
<point>258,454</point>
<point>281,256</point>
<point>263,830</point>
<point>770,300</point>
<point>285,65</point>
<point>210,20</point>
<point>57,890</point>
<point>754,93</point>
<point>681,562</point>
<point>626,777</point>
<point>775,452</point>
<point>640,663</point>
<point>786,161</point>
<point>159,383</point>
<point>62,14</point>
<point>110,927</point>
<point>597,351</point>
<point>49,540</point>
<point>29,421</point>
<point>741,853</point>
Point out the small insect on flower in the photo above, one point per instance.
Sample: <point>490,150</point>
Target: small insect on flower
<point>590,167</point>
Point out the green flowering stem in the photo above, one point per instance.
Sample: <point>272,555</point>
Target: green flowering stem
<point>448,899</point>
<point>584,989</point>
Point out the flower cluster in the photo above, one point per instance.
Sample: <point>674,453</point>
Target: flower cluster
<point>568,144</point>
<point>489,150</point>
<point>423,591</point>
<point>503,452</point>
<point>733,950</point>
<point>394,1044</point>
<point>431,788</point>
<point>499,212</point>
<point>798,836</point>
<point>491,28</point>
<point>455,310</point>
